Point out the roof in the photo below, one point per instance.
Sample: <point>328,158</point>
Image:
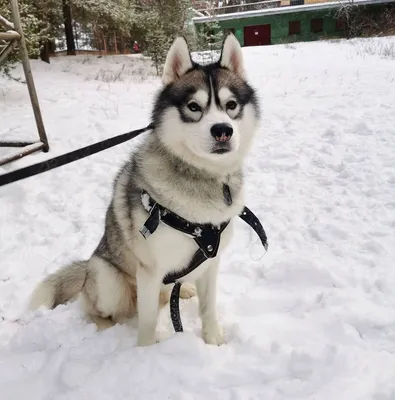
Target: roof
<point>286,9</point>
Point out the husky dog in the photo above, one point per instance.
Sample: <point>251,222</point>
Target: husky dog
<point>204,119</point>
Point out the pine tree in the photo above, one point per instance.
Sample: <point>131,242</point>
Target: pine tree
<point>40,19</point>
<point>209,38</point>
<point>157,41</point>
<point>155,23</point>
<point>45,20</point>
<point>158,23</point>
<point>108,20</point>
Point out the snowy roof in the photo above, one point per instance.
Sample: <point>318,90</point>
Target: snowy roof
<point>285,9</point>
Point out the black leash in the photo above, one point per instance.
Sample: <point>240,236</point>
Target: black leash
<point>206,236</point>
<point>67,158</point>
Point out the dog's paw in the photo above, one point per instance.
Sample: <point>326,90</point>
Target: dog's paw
<point>187,290</point>
<point>102,323</point>
<point>213,335</point>
<point>146,341</point>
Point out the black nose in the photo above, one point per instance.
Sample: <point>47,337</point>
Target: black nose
<point>221,132</point>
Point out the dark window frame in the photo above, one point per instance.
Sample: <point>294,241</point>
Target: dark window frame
<point>340,24</point>
<point>294,28</point>
<point>317,25</point>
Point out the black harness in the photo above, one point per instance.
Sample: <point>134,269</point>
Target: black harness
<point>206,236</point>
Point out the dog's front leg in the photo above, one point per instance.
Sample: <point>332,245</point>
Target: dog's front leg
<point>206,287</point>
<point>148,290</point>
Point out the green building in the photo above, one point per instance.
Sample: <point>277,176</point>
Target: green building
<point>285,21</point>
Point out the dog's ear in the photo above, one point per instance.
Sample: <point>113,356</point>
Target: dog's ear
<point>232,55</point>
<point>178,61</point>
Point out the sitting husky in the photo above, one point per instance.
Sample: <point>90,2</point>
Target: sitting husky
<point>204,120</point>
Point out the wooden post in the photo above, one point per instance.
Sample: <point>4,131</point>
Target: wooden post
<point>7,50</point>
<point>7,24</point>
<point>10,35</point>
<point>31,148</point>
<point>28,75</point>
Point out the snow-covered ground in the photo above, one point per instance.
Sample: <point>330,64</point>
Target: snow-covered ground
<point>313,319</point>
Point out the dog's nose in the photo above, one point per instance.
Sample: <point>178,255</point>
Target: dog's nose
<point>221,132</point>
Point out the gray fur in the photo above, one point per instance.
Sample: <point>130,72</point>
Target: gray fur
<point>124,266</point>
<point>64,285</point>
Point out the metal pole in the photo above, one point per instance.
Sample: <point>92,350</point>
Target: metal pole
<point>28,74</point>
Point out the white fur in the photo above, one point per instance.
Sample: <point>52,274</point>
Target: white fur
<point>201,97</point>
<point>165,251</point>
<point>149,283</point>
<point>110,286</point>
<point>109,291</point>
<point>42,295</point>
<point>172,251</point>
<point>207,293</point>
<point>232,56</point>
<point>193,142</point>
<point>178,61</point>
<point>225,95</point>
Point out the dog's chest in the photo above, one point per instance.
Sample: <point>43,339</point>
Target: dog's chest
<point>172,250</point>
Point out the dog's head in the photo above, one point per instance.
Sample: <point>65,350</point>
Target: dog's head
<point>206,114</point>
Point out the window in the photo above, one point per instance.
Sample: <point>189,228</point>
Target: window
<point>317,25</point>
<point>293,27</point>
<point>340,24</point>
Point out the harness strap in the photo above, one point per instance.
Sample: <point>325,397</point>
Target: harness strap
<point>175,308</point>
<point>206,236</point>
<point>152,222</point>
<point>248,216</point>
<point>198,258</point>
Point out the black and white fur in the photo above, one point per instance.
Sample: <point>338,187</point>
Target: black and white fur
<point>183,166</point>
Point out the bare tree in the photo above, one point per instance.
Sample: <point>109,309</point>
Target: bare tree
<point>346,14</point>
<point>358,20</point>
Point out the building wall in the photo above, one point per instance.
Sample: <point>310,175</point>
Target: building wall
<point>280,23</point>
<point>280,26</point>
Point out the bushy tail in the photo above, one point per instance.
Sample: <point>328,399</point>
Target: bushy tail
<point>60,287</point>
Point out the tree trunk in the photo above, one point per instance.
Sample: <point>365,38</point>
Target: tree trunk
<point>68,28</point>
<point>44,51</point>
<point>105,45</point>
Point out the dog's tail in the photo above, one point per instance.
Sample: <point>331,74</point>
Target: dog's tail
<point>60,287</point>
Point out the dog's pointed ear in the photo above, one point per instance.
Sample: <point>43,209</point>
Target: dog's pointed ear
<point>232,55</point>
<point>178,61</point>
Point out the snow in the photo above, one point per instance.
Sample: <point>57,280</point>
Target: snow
<point>312,319</point>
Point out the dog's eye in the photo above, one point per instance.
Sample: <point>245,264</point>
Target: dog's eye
<point>194,106</point>
<point>231,105</point>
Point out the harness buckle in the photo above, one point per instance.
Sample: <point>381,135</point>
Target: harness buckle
<point>145,232</point>
<point>151,224</point>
